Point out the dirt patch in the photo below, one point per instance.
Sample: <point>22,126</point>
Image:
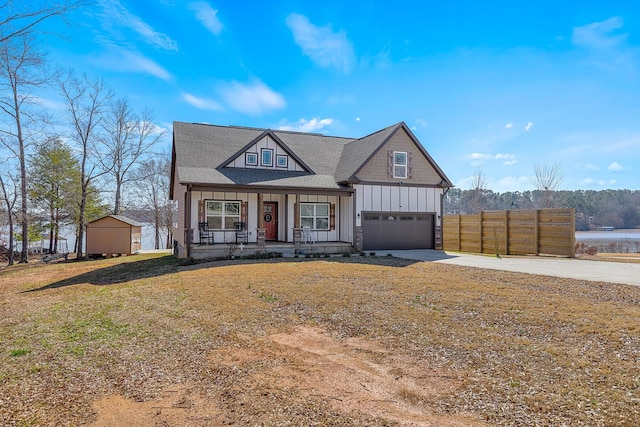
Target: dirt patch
<point>353,376</point>
<point>363,376</point>
<point>176,406</point>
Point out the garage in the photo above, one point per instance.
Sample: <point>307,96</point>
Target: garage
<point>385,230</point>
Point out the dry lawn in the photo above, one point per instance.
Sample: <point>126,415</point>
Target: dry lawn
<point>142,341</point>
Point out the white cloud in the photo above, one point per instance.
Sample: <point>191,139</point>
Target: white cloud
<point>324,46</point>
<point>421,122</point>
<point>116,13</point>
<point>592,182</point>
<point>49,104</point>
<point>357,119</point>
<point>508,126</point>
<point>500,156</point>
<point>599,35</point>
<point>613,181</point>
<point>528,126</point>
<point>201,103</point>
<point>131,61</point>
<point>615,167</point>
<point>478,156</point>
<point>207,16</point>
<point>252,98</point>
<point>304,125</point>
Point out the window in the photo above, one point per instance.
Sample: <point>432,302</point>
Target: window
<point>267,157</point>
<point>399,164</point>
<point>314,215</point>
<point>222,215</point>
<point>282,161</point>
<point>251,159</point>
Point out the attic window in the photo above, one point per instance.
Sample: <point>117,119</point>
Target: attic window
<point>399,164</point>
<point>251,159</point>
<point>282,161</point>
<point>266,157</point>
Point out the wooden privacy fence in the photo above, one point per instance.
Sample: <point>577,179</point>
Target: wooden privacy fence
<point>515,232</point>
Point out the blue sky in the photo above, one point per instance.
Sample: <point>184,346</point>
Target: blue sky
<point>492,86</point>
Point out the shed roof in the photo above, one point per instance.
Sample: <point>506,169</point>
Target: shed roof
<point>120,218</point>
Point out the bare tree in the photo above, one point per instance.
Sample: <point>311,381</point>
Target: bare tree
<point>21,17</point>
<point>478,186</point>
<point>152,193</point>
<point>128,138</point>
<point>22,72</point>
<point>547,179</point>
<point>9,197</point>
<point>86,103</point>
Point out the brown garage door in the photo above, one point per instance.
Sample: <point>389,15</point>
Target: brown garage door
<point>383,230</point>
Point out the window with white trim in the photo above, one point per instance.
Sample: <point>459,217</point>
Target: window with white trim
<point>221,215</point>
<point>266,157</point>
<point>282,161</point>
<point>314,215</point>
<point>400,163</point>
<point>251,159</point>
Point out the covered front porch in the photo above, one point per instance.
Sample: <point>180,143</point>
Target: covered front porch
<point>232,250</point>
<point>274,220</point>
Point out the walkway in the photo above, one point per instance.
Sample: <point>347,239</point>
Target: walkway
<point>600,271</point>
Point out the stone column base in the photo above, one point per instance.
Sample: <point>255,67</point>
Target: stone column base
<point>261,233</point>
<point>357,239</point>
<point>297,239</point>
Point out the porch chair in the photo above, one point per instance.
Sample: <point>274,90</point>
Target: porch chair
<point>206,234</point>
<point>242,235</point>
<point>307,235</point>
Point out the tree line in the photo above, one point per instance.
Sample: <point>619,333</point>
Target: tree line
<point>594,208</point>
<point>66,169</point>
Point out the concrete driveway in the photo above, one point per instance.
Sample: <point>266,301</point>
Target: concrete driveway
<point>600,271</point>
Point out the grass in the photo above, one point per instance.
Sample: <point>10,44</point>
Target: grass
<point>523,349</point>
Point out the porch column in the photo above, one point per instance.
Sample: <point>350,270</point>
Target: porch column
<point>188,231</point>
<point>261,231</point>
<point>297,231</point>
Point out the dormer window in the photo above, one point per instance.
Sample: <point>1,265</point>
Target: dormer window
<point>399,164</point>
<point>266,157</point>
<point>251,159</point>
<point>282,161</point>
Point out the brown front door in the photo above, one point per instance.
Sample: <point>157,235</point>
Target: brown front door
<point>271,220</point>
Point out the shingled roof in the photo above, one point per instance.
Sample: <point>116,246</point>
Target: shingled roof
<point>201,151</point>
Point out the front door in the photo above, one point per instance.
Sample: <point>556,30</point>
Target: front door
<point>270,220</point>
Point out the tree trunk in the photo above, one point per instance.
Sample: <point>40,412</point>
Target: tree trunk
<point>24,254</point>
<point>116,207</point>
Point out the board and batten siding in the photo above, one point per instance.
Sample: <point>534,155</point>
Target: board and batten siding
<point>345,217</point>
<point>268,143</point>
<point>377,168</point>
<point>398,198</point>
<point>179,192</point>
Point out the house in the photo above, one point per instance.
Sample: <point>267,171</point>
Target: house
<point>381,191</point>
<point>113,235</point>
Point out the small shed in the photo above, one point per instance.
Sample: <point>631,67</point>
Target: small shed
<point>114,235</point>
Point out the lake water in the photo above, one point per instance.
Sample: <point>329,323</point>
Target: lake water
<point>616,241</point>
<point>608,235</point>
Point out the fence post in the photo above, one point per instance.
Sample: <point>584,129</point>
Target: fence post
<point>536,225</point>
<point>506,232</point>
<point>459,232</point>
<point>480,234</point>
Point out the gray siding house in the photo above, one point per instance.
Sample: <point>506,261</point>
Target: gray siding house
<point>290,189</point>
